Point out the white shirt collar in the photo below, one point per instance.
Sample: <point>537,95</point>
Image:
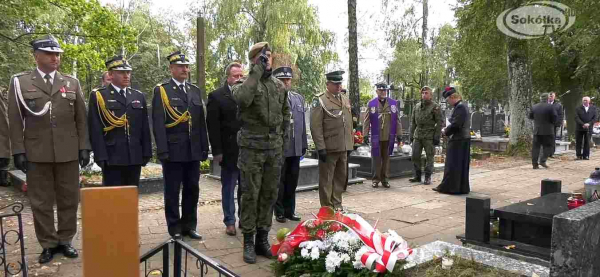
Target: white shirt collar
<point>118,88</point>
<point>586,108</point>
<point>551,103</point>
<point>44,74</point>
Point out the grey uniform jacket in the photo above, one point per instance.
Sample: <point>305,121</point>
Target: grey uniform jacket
<point>297,131</point>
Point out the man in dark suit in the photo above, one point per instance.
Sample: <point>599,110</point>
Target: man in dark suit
<point>544,116</point>
<point>181,143</point>
<point>585,117</point>
<point>223,126</point>
<point>561,116</point>
<point>119,128</point>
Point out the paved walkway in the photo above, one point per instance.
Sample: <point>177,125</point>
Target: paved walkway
<point>416,212</point>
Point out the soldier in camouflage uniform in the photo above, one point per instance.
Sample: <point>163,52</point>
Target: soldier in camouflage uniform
<point>264,113</point>
<point>425,132</point>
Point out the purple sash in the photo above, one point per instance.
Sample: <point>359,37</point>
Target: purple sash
<point>374,119</point>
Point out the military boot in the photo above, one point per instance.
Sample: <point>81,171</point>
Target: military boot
<point>249,253</point>
<point>262,244</point>
<point>417,178</point>
<point>427,179</point>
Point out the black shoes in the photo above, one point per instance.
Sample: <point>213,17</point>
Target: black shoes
<point>416,179</point>
<point>192,234</point>
<point>293,217</point>
<point>68,251</point>
<point>280,218</point>
<point>544,165</point>
<point>385,185</point>
<point>586,158</point>
<point>375,184</point>
<point>535,166</point>
<point>47,255</point>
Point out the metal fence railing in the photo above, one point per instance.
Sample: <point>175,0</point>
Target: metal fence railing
<point>11,238</point>
<point>186,260</point>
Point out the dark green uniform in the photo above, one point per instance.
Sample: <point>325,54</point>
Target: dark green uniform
<point>264,113</point>
<point>425,131</point>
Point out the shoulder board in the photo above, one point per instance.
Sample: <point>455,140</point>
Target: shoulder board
<point>319,95</point>
<point>136,90</point>
<point>193,85</point>
<point>97,89</point>
<point>69,76</point>
<point>161,84</point>
<point>22,73</point>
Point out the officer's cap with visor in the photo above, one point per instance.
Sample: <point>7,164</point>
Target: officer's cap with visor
<point>117,63</point>
<point>382,86</point>
<point>284,72</point>
<point>177,58</point>
<point>335,77</point>
<point>47,44</point>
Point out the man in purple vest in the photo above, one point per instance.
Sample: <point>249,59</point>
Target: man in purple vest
<point>383,121</point>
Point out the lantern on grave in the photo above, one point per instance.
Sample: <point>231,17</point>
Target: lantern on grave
<point>592,186</point>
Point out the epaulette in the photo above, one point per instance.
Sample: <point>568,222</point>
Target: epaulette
<point>162,84</point>
<point>136,90</point>
<point>69,76</point>
<point>22,73</point>
<point>319,94</point>
<point>97,89</point>
<point>193,85</point>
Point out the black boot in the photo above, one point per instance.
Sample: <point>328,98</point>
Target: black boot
<point>417,178</point>
<point>249,253</point>
<point>262,244</point>
<point>427,179</point>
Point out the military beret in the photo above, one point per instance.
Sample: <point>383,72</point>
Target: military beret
<point>283,72</point>
<point>177,58</point>
<point>118,63</point>
<point>448,91</point>
<point>382,86</point>
<point>256,48</point>
<point>335,77</point>
<point>47,44</point>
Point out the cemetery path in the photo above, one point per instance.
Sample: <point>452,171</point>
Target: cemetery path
<point>417,213</point>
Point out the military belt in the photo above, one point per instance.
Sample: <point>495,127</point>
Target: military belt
<point>262,129</point>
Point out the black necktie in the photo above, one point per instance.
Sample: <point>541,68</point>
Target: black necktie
<point>48,82</point>
<point>122,92</point>
<point>181,87</point>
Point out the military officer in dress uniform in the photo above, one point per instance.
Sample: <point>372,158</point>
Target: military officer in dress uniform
<point>119,128</point>
<point>383,122</point>
<point>331,129</point>
<point>285,207</point>
<point>49,140</point>
<point>181,142</point>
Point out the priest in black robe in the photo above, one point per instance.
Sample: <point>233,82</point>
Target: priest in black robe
<point>458,152</point>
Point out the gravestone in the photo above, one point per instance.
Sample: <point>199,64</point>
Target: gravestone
<point>405,121</point>
<point>476,119</point>
<point>487,125</point>
<point>575,242</point>
<point>499,124</point>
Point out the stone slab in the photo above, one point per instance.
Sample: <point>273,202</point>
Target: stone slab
<point>575,247</point>
<point>538,210</point>
<point>429,251</point>
<point>147,185</point>
<point>309,174</point>
<point>400,166</point>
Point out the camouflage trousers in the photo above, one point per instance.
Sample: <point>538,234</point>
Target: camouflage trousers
<point>418,146</point>
<point>260,173</point>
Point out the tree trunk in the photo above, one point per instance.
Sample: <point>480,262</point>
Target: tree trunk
<point>424,73</point>
<point>353,84</point>
<point>520,83</point>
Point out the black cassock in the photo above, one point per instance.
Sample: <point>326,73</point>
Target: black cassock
<point>458,153</point>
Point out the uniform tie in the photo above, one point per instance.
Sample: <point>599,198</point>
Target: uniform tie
<point>122,92</point>
<point>48,79</point>
<point>181,87</point>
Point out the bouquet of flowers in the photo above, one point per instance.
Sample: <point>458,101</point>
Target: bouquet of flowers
<point>358,138</point>
<point>338,244</point>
